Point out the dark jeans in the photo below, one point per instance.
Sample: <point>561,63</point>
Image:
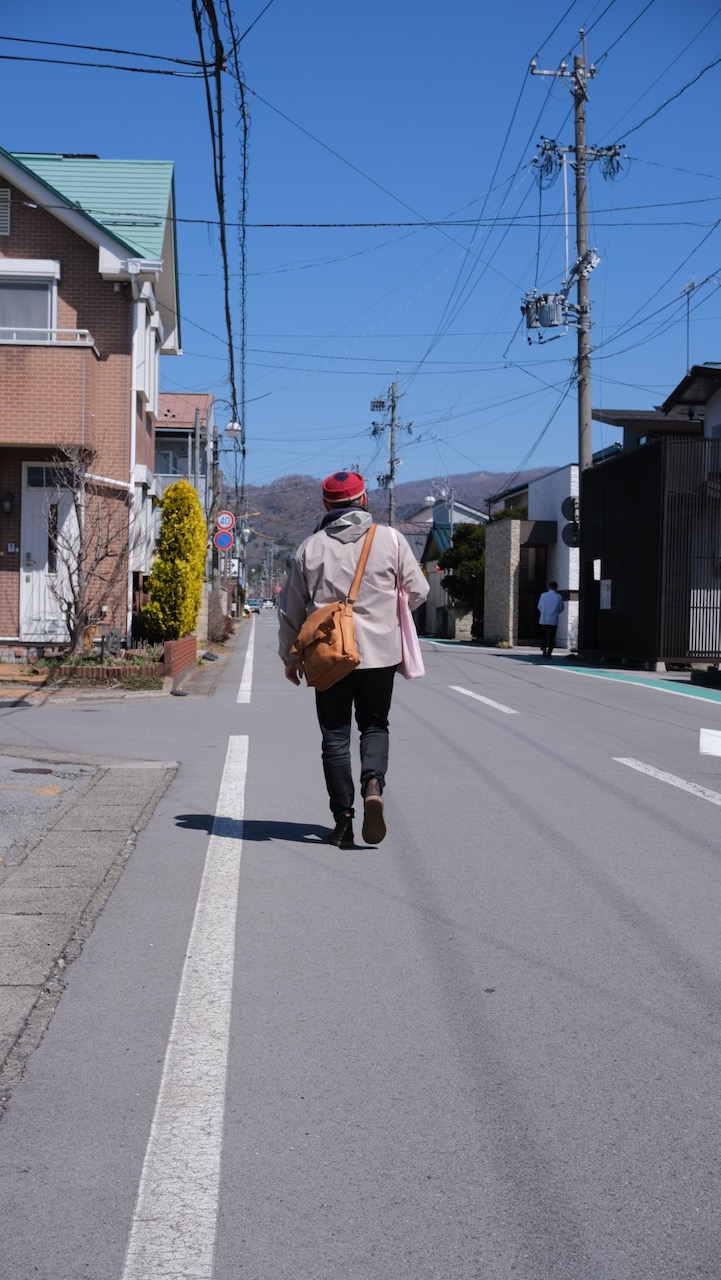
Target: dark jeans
<point>548,639</point>
<point>370,692</point>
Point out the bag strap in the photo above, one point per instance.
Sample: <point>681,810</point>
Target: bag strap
<point>360,569</point>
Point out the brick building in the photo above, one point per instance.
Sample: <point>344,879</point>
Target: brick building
<point>88,304</point>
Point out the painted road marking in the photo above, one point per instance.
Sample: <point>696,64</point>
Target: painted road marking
<point>693,788</point>
<point>246,679</point>
<point>620,677</point>
<point>174,1226</point>
<point>509,711</point>
<point>710,742</point>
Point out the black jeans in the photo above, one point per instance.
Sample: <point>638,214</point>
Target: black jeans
<point>548,639</point>
<point>370,692</point>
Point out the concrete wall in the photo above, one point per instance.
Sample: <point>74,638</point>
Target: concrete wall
<point>500,598</point>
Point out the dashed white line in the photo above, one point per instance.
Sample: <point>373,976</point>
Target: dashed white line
<point>509,711</point>
<point>246,679</point>
<point>693,788</point>
<point>174,1227</point>
<point>710,742</point>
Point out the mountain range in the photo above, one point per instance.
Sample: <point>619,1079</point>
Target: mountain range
<point>285,512</point>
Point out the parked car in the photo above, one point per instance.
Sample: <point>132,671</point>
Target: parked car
<point>252,605</point>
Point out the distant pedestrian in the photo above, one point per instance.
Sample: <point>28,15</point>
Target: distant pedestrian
<point>320,573</point>
<point>550,608</point>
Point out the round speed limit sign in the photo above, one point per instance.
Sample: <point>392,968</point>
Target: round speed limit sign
<point>225,520</point>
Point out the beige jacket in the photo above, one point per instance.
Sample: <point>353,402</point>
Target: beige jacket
<point>322,571</point>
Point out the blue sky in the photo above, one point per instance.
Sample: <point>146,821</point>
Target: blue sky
<point>432,114</point>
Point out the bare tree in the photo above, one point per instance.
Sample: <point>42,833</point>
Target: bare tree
<point>88,543</point>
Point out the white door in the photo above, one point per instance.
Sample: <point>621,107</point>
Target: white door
<point>48,528</point>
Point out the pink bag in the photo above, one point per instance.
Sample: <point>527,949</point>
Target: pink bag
<point>412,662</point>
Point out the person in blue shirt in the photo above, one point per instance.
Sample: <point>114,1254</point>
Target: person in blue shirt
<point>550,608</point>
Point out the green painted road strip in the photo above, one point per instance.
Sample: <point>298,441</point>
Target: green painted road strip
<point>645,682</point>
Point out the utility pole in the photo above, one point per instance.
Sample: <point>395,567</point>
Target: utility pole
<point>585,448</point>
<point>392,461</point>
<point>388,481</point>
<point>196,452</point>
<point>579,78</point>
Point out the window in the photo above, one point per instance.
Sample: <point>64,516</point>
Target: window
<point>24,308</point>
<point>53,530</point>
<point>172,457</point>
<point>4,211</point>
<point>54,477</point>
<point>28,299</point>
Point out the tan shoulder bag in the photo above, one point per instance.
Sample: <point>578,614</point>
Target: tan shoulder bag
<point>326,641</point>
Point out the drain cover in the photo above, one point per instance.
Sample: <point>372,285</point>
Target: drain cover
<point>32,770</point>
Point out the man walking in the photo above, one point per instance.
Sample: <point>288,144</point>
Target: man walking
<point>550,608</point>
<point>321,572</point>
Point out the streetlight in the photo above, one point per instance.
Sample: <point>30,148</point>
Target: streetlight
<point>445,492</point>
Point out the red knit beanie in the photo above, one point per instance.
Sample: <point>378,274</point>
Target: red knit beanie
<point>343,486</point>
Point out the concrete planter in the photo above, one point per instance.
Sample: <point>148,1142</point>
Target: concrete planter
<point>120,672</point>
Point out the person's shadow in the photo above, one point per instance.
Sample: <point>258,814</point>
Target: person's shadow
<point>233,829</point>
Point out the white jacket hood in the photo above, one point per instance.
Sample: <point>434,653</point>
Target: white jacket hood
<point>347,525</point>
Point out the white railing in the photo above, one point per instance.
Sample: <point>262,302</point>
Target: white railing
<point>48,337</point>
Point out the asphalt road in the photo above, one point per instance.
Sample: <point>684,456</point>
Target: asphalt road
<point>487,1048</point>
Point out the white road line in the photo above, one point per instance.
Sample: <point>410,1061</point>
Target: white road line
<point>693,788</point>
<point>246,679</point>
<point>710,742</point>
<point>509,711</point>
<point>174,1226</point>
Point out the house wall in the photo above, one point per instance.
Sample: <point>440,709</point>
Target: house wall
<point>500,598</point>
<point>47,391</point>
<point>53,395</point>
<point>545,496</point>
<point>712,417</point>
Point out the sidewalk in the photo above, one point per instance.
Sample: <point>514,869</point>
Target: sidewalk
<point>69,826</point>
<point>695,673</point>
<point>19,686</point>
<point>54,884</point>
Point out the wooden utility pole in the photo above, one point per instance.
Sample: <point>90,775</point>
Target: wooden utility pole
<point>388,481</point>
<point>392,460</point>
<point>585,428</point>
<point>585,260</point>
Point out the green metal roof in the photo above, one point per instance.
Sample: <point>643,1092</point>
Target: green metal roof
<point>131,199</point>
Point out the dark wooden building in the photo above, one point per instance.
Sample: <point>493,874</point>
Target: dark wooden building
<point>651,553</point>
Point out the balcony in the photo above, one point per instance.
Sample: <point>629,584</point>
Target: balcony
<point>50,390</point>
<point>48,337</point>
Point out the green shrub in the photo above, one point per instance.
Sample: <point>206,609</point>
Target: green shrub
<point>176,579</point>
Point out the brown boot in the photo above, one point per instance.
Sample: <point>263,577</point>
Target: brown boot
<point>342,834</point>
<point>374,823</point>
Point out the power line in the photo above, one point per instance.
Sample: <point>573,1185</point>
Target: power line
<point>652,114</point>
<point>97,48</point>
<point>204,13</point>
<point>624,32</point>
<point>242,229</point>
<point>104,66</point>
<point>253,23</point>
<point>142,221</point>
<point>368,178</point>
<point>666,69</point>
